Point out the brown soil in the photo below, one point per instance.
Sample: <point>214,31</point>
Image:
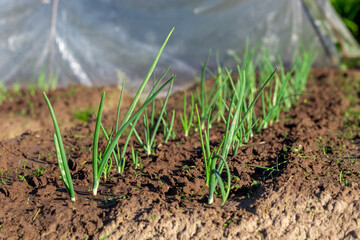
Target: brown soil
<point>23,111</point>
<point>313,193</point>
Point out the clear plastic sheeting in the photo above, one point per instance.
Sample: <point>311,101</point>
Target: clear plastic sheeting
<point>86,41</point>
<point>331,28</point>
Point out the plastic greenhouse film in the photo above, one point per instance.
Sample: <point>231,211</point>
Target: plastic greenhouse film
<point>87,41</point>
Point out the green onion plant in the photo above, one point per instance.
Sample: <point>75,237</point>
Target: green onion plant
<point>128,120</point>
<point>277,97</point>
<point>100,160</point>
<point>135,158</point>
<point>151,126</point>
<point>3,92</point>
<point>46,81</point>
<point>244,131</point>
<point>302,67</point>
<point>221,80</point>
<point>168,125</point>
<point>207,99</point>
<point>61,154</point>
<point>187,120</point>
<point>205,146</point>
<point>119,156</point>
<point>228,100</point>
<point>215,161</point>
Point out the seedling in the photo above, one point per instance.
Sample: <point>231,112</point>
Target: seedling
<point>187,120</point>
<point>107,168</point>
<point>3,92</point>
<point>98,168</point>
<point>22,178</point>
<point>61,154</point>
<point>83,115</point>
<point>168,126</point>
<point>234,124</point>
<point>150,126</point>
<point>120,156</point>
<point>36,214</point>
<point>210,163</point>
<point>46,80</point>
<point>100,161</point>
<point>38,171</point>
<point>103,238</point>
<point>3,181</point>
<point>135,157</point>
<point>207,99</point>
<point>278,97</point>
<point>205,147</point>
<point>17,89</point>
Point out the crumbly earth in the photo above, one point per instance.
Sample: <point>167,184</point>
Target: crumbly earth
<point>25,111</point>
<point>309,191</point>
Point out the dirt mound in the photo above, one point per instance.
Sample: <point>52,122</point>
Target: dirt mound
<point>299,179</point>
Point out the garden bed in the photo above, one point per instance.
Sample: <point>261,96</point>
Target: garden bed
<point>297,179</point>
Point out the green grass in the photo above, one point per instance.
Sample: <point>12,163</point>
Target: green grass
<point>44,82</point>
<point>349,11</point>
<point>84,115</point>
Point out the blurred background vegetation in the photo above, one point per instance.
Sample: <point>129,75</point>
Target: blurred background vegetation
<point>349,10</point>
